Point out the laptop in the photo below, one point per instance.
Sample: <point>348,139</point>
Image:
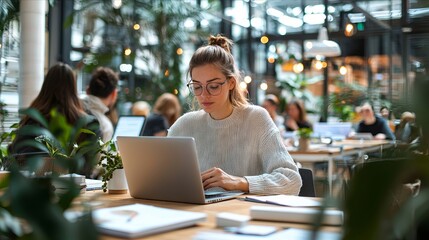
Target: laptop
<point>335,130</point>
<point>167,169</point>
<point>129,126</point>
<point>362,136</point>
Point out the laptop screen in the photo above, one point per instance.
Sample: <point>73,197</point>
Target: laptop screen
<point>131,126</point>
<point>332,129</point>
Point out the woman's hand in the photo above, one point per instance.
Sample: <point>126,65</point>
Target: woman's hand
<point>216,177</point>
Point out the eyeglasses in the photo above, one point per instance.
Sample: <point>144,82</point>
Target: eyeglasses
<point>213,88</point>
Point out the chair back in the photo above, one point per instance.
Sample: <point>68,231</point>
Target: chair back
<point>307,189</point>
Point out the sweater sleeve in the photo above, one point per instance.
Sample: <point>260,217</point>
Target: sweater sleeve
<point>386,130</point>
<point>281,174</point>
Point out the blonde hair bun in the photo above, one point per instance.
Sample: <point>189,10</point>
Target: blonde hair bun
<point>221,41</point>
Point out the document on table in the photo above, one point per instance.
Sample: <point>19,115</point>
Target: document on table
<point>296,214</point>
<point>289,234</point>
<point>285,200</point>
<point>137,220</point>
<point>93,184</point>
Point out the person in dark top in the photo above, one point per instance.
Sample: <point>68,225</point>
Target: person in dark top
<point>373,124</point>
<point>296,116</point>
<point>166,111</point>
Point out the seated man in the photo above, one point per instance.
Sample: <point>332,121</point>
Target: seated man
<point>102,94</point>
<point>373,124</point>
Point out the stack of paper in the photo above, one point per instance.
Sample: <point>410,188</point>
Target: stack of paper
<point>296,214</point>
<point>288,234</point>
<point>139,220</point>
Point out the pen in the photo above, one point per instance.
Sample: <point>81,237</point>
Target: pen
<point>132,216</point>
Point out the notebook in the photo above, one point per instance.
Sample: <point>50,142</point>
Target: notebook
<point>296,214</point>
<point>166,168</point>
<point>138,220</point>
<point>129,126</point>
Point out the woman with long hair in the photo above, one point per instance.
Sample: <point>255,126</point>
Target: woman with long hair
<point>239,146</point>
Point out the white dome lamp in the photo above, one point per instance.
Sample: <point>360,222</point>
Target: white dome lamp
<point>322,46</point>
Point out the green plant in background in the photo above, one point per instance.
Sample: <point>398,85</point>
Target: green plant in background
<point>342,102</point>
<point>29,206</point>
<point>110,160</point>
<point>304,133</point>
<point>9,11</point>
<point>381,200</point>
<point>161,23</point>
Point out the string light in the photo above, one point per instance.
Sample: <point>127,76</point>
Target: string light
<point>263,86</point>
<point>343,70</point>
<point>349,30</point>
<point>243,85</point>
<point>136,26</point>
<point>179,51</point>
<point>264,40</point>
<point>116,4</point>
<point>247,79</point>
<point>127,51</point>
<point>298,67</point>
<point>271,60</point>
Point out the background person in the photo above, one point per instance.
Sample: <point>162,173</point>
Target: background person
<point>141,108</point>
<point>101,96</point>
<point>166,111</point>
<point>296,116</point>
<point>271,104</point>
<point>59,91</point>
<point>373,124</point>
<point>387,115</point>
<point>239,147</point>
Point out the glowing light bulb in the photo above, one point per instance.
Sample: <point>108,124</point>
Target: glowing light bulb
<point>247,79</point>
<point>264,39</point>
<point>127,51</point>
<point>298,68</point>
<point>243,85</point>
<point>343,70</point>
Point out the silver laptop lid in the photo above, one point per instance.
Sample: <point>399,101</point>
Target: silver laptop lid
<point>162,168</point>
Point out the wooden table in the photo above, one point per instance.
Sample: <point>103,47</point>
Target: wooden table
<point>101,200</point>
<point>337,150</point>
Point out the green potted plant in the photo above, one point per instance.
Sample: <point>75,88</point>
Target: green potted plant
<point>113,175</point>
<point>304,138</point>
<point>31,209</point>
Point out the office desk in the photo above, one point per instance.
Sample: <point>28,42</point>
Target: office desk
<point>337,150</point>
<point>232,206</point>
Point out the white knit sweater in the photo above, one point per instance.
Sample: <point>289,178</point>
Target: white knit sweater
<point>96,107</point>
<point>246,144</point>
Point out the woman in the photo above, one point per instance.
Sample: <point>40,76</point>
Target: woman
<point>238,145</point>
<point>166,111</point>
<point>58,91</point>
<point>296,116</point>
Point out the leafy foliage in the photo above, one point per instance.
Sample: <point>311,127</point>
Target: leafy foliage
<point>9,11</point>
<point>342,102</point>
<point>305,132</point>
<point>31,209</point>
<point>379,203</point>
<point>162,22</point>
<point>110,160</point>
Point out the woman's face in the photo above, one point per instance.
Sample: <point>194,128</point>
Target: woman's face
<point>217,105</point>
<point>293,112</point>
